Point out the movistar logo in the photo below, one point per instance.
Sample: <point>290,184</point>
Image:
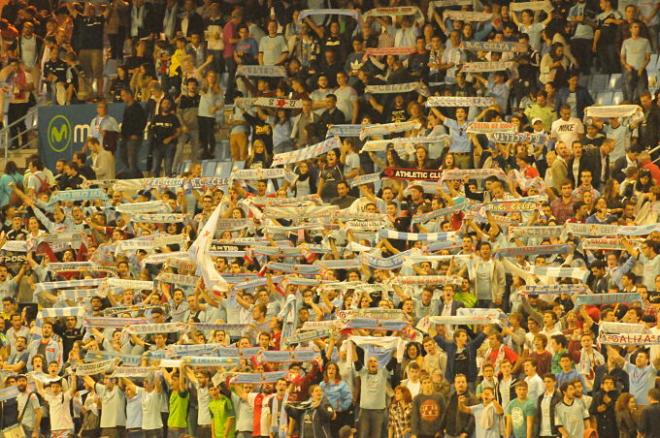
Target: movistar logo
<point>60,134</point>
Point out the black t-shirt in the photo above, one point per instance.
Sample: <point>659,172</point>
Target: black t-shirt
<point>163,126</point>
<point>461,363</point>
<point>57,68</point>
<point>90,32</point>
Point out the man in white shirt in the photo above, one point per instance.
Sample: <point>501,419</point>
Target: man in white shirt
<point>567,129</point>
<point>29,409</point>
<point>413,383</point>
<point>534,382</point>
<point>59,406</point>
<point>635,56</point>
<point>113,402</point>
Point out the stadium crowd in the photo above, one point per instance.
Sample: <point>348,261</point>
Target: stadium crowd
<point>442,220</point>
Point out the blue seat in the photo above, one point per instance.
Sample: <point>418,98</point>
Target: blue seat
<point>604,98</point>
<point>617,99</point>
<point>598,83</point>
<point>223,169</point>
<point>616,81</point>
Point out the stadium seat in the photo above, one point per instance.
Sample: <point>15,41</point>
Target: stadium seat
<point>223,169</point>
<point>617,98</point>
<point>598,83</point>
<point>616,82</point>
<point>208,167</point>
<point>604,98</point>
<point>652,66</point>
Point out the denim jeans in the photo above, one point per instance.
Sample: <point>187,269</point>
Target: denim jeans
<point>163,152</point>
<point>371,423</point>
<point>634,84</point>
<point>128,153</point>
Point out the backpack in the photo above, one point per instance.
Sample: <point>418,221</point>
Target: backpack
<point>84,86</point>
<point>43,184</point>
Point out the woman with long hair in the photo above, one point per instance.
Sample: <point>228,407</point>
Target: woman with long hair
<point>12,178</point>
<point>210,104</point>
<point>339,396</point>
<point>305,182</point>
<point>399,423</point>
<point>626,415</point>
<point>259,157</point>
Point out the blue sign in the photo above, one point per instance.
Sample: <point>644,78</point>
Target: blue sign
<point>63,130</point>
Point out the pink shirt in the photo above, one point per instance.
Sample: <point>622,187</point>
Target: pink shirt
<point>228,32</point>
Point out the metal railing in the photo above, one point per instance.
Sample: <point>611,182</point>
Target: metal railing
<point>5,133</point>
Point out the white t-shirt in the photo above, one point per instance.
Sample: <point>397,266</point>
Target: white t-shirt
<point>113,406</point>
<point>345,98</point>
<point>567,130</point>
<point>60,411</point>
<point>203,413</point>
<point>151,404</point>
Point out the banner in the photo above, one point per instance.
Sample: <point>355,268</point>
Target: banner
<point>556,289</point>
<point>344,131</point>
<point>490,127</point>
<point>370,178</point>
<point>16,245</point>
<point>526,251</point>
<point>167,327</point>
<point>8,393</point>
<point>493,46</point>
<point>460,101</point>
<point>306,153</point>
<point>312,12</point>
<point>487,66</point>
<point>184,280</point>
<point>90,369</point>
<point>133,372</point>
<point>158,218</point>
<point>78,195</point>
<point>289,356</point>
<point>510,206</point>
<point>376,324</point>
<point>604,299</point>
<point>51,285</point>
<point>610,244</point>
<point>459,204</point>
<point>339,264</point>
<point>169,183</point>
<point>560,272</point>
<point>406,144</point>
<point>371,313</point>
<point>258,378</point>
<point>425,237</point>
<point>429,280</point>
<point>634,112</point>
<point>71,266</point>
<point>408,87</point>
<point>388,128</point>
<point>412,174</point>
<point>519,137</point>
<point>621,327</point>
<point>151,242</point>
<point>396,11</point>
<point>536,231</point>
<point>125,359</point>
<point>467,16</point>
<point>110,322</point>
<point>478,174</point>
<point>265,71</point>
<point>142,207</point>
<point>249,174</point>
<point>64,129</point>
<point>532,6</point>
<point>206,361</point>
<point>277,103</point>
<point>129,284</point>
<point>305,336</point>
<point>629,339</point>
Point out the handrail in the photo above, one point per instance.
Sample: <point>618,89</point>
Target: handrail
<point>5,132</point>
